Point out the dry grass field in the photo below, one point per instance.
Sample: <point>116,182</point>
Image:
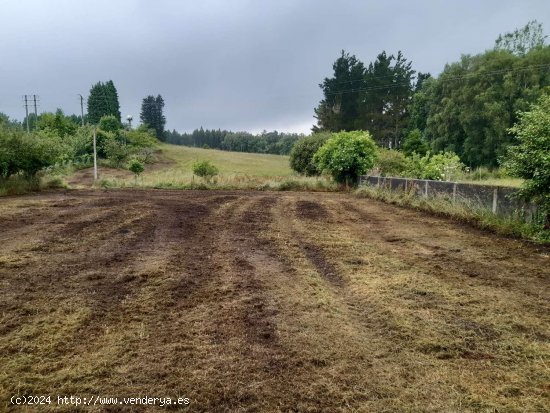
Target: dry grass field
<point>267,302</point>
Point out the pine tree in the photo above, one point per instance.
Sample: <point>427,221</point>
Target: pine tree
<point>112,99</point>
<point>103,101</point>
<point>339,110</point>
<point>152,114</point>
<point>386,98</point>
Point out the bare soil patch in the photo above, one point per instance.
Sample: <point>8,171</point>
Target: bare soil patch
<point>271,302</point>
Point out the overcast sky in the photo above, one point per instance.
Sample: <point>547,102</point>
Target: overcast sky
<point>239,65</point>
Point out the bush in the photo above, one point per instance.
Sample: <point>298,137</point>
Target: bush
<point>301,155</point>
<point>391,162</point>
<point>115,151</point>
<point>415,144</point>
<point>28,154</point>
<point>109,123</point>
<point>346,155</point>
<point>205,169</point>
<point>136,167</point>
<point>443,166</point>
<point>139,138</point>
<point>530,159</point>
<point>439,167</point>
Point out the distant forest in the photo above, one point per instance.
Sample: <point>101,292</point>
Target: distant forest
<point>266,142</point>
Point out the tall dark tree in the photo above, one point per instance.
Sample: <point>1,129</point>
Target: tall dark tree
<point>339,109</point>
<point>103,101</point>
<point>374,98</point>
<point>112,99</point>
<point>385,101</point>
<point>152,114</point>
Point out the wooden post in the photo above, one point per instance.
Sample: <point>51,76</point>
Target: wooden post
<point>95,157</point>
<point>426,189</point>
<point>454,192</point>
<point>495,198</point>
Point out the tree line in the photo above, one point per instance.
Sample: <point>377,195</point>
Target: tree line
<point>468,109</point>
<point>274,142</point>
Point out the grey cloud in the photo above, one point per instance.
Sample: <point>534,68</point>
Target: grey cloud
<point>231,64</point>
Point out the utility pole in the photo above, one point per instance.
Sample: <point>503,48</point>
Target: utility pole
<point>35,109</point>
<point>81,108</point>
<point>95,156</point>
<point>27,113</point>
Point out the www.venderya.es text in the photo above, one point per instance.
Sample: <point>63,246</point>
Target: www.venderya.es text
<point>97,400</point>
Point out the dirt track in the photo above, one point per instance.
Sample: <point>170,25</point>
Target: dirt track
<point>267,302</point>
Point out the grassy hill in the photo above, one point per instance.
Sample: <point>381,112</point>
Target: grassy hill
<point>229,163</point>
<point>237,170</point>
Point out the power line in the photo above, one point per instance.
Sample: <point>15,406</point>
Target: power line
<point>441,79</point>
<point>389,76</point>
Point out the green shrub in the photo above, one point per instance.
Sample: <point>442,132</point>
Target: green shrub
<point>530,158</point>
<point>109,123</point>
<point>205,169</point>
<point>391,162</point>
<point>115,151</point>
<point>443,167</point>
<point>346,155</point>
<point>28,153</point>
<point>136,167</point>
<point>414,143</point>
<point>301,155</point>
<point>138,138</point>
<point>439,167</point>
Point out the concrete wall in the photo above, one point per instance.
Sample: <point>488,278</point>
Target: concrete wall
<point>500,200</point>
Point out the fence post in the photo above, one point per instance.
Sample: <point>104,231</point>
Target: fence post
<point>378,183</point>
<point>426,188</point>
<point>495,199</point>
<point>406,184</point>
<point>454,192</point>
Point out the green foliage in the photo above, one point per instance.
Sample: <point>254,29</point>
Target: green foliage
<point>391,162</point>
<point>467,110</point>
<point>374,98</point>
<point>414,143</point>
<point>152,114</point>
<point>530,158</point>
<point>27,153</point>
<point>521,41</point>
<point>115,151</point>
<point>136,167</point>
<point>474,102</point>
<point>346,155</point>
<point>338,110</point>
<point>442,167</point>
<point>205,169</point>
<point>110,141</point>
<point>103,100</point>
<point>301,156</point>
<point>109,123</point>
<point>267,142</point>
<point>9,123</point>
<point>57,123</point>
<point>139,138</point>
